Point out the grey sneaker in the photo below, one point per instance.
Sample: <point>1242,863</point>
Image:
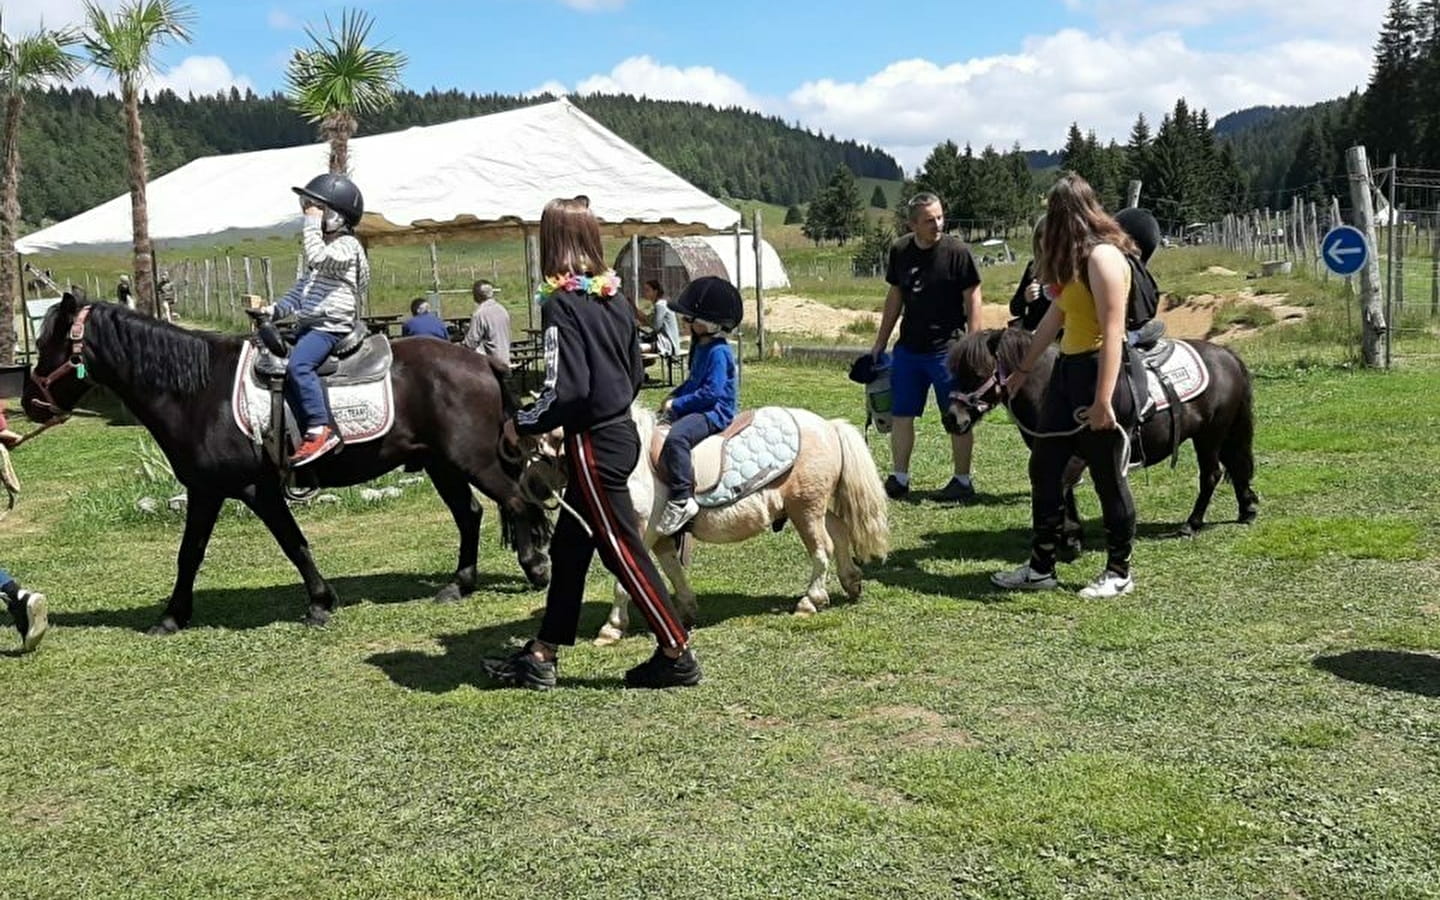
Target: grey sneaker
<point>1025,579</point>
<point>676,515</point>
<point>521,669</point>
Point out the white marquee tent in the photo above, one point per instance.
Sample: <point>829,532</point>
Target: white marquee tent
<point>484,175</point>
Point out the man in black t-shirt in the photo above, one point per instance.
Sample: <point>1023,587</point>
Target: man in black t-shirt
<point>935,296</point>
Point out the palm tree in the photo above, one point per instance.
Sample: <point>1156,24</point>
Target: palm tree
<point>124,44</point>
<point>339,78</point>
<point>29,62</point>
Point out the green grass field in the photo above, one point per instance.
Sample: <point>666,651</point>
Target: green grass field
<point>1259,719</point>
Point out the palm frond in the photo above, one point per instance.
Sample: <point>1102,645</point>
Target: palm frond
<point>40,58</point>
<point>339,73</point>
<point>125,42</point>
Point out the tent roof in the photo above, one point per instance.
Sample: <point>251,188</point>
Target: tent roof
<point>490,174</point>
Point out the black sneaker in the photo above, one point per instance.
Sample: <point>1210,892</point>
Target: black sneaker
<point>956,492</point>
<point>28,612</point>
<point>894,489</point>
<point>660,671</point>
<point>521,669</point>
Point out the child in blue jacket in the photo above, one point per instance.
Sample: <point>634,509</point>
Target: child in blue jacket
<point>705,404</point>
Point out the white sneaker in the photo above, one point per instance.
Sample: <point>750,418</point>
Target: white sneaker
<point>36,621</point>
<point>1025,579</point>
<point>676,514</point>
<point>1108,586</point>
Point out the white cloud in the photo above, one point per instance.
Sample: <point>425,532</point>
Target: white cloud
<point>643,76</point>
<point>192,75</point>
<point>280,20</point>
<point>22,16</point>
<point>1071,76</point>
<point>554,88</point>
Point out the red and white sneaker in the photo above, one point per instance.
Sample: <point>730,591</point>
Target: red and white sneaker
<point>315,445</point>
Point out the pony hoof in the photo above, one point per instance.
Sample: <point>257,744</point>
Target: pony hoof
<point>805,607</point>
<point>317,617</point>
<point>1190,529</point>
<point>1248,518</point>
<point>609,636</point>
<point>852,592</point>
<point>450,593</point>
<point>165,627</point>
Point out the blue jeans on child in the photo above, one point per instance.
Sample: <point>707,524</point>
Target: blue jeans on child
<point>303,389</point>
<point>684,434</point>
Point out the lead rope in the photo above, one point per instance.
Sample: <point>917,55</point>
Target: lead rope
<point>541,482</point>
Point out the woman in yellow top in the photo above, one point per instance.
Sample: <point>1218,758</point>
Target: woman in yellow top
<point>1088,410</point>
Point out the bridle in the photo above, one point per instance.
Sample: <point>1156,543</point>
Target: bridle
<point>979,401</point>
<point>75,364</point>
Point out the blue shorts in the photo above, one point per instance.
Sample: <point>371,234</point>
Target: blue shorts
<point>911,374</point>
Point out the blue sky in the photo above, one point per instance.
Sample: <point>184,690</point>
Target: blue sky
<point>904,75</point>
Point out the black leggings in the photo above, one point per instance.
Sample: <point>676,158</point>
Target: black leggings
<point>600,463</point>
<point>1107,453</point>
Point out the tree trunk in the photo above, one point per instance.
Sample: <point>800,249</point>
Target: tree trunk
<point>9,222</point>
<point>338,129</point>
<point>139,212</point>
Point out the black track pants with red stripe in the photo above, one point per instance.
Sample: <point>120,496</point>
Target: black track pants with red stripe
<point>600,463</point>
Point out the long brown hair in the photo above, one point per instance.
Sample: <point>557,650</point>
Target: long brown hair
<point>570,239</point>
<point>1075,223</point>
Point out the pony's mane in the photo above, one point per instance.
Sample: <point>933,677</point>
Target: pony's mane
<point>1014,344</point>
<point>972,352</point>
<point>147,353</point>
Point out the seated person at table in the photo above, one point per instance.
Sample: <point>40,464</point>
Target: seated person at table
<point>423,322</point>
<point>661,335</point>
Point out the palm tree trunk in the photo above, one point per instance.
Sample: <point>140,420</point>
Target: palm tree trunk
<point>139,212</point>
<point>9,222</point>
<point>338,129</point>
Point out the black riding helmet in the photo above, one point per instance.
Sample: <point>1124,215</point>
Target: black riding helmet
<point>1140,224</point>
<point>338,193</point>
<point>711,299</point>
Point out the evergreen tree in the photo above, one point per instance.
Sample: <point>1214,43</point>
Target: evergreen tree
<point>1427,84</point>
<point>847,211</point>
<point>1389,99</point>
<point>877,199</point>
<point>794,215</point>
<point>1137,151</point>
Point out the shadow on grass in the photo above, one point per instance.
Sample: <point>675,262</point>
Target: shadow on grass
<point>904,567</point>
<point>458,664</point>
<point>245,608</point>
<point>1396,670</point>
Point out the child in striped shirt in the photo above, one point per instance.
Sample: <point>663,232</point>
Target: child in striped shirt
<point>324,301</point>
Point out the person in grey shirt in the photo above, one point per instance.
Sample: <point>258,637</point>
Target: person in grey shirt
<point>489,330</point>
<point>665,329</point>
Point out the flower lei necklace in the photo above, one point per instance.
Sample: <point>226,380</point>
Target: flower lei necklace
<point>606,284</point>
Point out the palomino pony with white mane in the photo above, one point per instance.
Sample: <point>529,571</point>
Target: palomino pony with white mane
<point>831,494</point>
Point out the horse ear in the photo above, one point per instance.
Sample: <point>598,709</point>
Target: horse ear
<point>68,304</point>
<point>992,343</point>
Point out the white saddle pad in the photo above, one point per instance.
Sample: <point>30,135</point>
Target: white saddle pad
<point>1186,372</point>
<point>752,458</point>
<point>364,412</point>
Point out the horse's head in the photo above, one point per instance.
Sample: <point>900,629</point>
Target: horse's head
<point>58,379</point>
<point>976,385</point>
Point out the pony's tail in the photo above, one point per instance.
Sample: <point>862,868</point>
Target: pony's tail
<point>860,496</point>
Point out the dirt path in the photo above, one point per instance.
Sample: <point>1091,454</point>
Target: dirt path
<point>1193,317</point>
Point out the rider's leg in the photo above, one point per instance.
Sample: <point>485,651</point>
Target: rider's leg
<point>303,388</point>
<point>680,469</point>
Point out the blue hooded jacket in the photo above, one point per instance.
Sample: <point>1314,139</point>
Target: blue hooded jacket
<point>710,389</point>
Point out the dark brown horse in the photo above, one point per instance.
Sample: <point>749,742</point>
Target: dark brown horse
<point>449,407</point>
<point>1220,422</point>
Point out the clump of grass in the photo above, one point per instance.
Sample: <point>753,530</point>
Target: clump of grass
<point>1243,315</point>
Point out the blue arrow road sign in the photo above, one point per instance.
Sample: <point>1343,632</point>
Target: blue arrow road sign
<point>1344,250</point>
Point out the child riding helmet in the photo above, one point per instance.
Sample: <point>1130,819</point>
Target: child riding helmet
<point>338,196</point>
<point>712,301</point>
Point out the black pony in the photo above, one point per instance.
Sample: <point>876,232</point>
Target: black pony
<point>1221,421</point>
<point>449,408</point>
